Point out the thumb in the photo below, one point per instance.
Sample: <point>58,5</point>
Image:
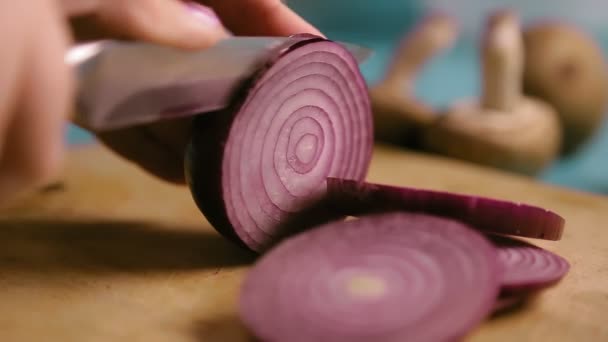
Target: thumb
<point>167,22</point>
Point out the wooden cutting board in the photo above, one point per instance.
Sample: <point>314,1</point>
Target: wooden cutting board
<point>115,255</point>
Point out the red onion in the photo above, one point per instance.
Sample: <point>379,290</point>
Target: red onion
<point>352,197</point>
<point>303,117</point>
<point>383,277</point>
<point>290,154</point>
<point>527,267</point>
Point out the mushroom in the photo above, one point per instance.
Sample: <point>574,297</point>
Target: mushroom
<point>566,68</point>
<point>397,113</point>
<point>503,129</point>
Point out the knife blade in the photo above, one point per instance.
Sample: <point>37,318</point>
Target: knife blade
<point>121,84</point>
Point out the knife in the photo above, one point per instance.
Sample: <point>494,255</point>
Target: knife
<point>122,84</point>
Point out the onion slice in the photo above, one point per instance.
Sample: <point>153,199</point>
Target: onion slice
<point>354,197</point>
<point>304,116</point>
<point>528,268</point>
<point>383,277</point>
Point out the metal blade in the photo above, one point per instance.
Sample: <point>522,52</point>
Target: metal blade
<point>83,52</point>
<point>129,83</point>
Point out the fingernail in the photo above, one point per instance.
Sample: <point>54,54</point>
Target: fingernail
<point>203,13</point>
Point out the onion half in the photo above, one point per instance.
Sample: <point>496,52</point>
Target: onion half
<point>383,277</point>
<point>303,117</point>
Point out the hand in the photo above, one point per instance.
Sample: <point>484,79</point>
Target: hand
<point>35,90</point>
<point>37,86</point>
<point>159,148</point>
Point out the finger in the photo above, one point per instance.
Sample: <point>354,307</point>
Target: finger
<point>12,36</point>
<point>166,22</point>
<point>34,147</point>
<point>156,148</point>
<point>260,17</point>
<point>78,7</point>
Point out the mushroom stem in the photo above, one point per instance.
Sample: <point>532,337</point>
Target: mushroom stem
<point>502,62</point>
<point>434,34</point>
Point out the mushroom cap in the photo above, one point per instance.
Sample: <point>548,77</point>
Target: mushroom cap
<point>525,140</point>
<point>398,118</point>
<point>566,68</point>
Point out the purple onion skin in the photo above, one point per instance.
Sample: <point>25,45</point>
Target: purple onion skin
<point>204,160</point>
<point>205,154</point>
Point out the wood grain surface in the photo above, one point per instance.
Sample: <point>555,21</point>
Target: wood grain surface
<point>115,255</point>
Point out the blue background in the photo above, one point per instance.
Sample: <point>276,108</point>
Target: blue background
<point>380,24</point>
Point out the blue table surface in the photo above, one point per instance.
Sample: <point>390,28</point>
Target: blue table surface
<point>449,77</point>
